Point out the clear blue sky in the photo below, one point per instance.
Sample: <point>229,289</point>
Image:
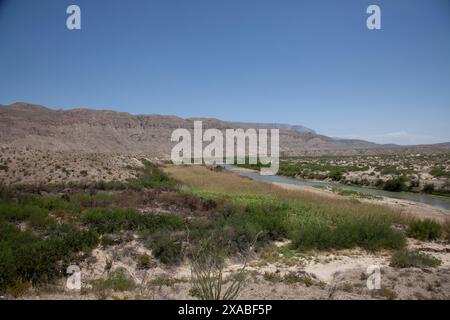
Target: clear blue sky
<point>301,62</point>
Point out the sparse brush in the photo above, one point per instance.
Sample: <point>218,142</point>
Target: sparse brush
<point>408,259</point>
<point>208,281</point>
<point>424,230</point>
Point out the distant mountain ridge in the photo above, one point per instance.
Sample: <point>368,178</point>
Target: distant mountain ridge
<point>104,131</point>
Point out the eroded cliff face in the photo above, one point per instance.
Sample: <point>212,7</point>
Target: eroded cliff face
<point>87,130</point>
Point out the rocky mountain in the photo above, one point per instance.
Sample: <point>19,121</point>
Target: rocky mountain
<point>101,131</point>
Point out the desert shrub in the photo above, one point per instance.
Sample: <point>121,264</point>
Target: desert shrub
<point>144,261</point>
<point>107,240</point>
<point>83,173</point>
<point>395,185</point>
<point>26,257</point>
<point>48,202</point>
<point>15,212</point>
<point>312,234</point>
<point>166,246</point>
<point>90,201</point>
<point>369,232</point>
<point>439,172</point>
<point>408,259</point>
<point>208,282</point>
<point>117,281</point>
<point>151,176</point>
<point>240,226</point>
<point>111,220</point>
<point>335,175</point>
<point>18,288</point>
<point>40,221</point>
<point>389,170</point>
<point>424,230</point>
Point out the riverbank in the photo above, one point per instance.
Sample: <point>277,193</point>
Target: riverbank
<point>405,207</point>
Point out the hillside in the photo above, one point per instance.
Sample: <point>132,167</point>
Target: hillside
<point>87,131</point>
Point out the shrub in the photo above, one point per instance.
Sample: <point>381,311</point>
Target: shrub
<point>240,227</point>
<point>395,185</point>
<point>207,278</point>
<point>424,230</point>
<point>25,257</point>
<point>166,247</point>
<point>312,234</point>
<point>369,232</point>
<point>17,212</point>
<point>407,259</point>
<point>83,173</point>
<point>335,175</point>
<point>112,220</point>
<point>18,288</point>
<point>150,177</point>
<point>117,281</point>
<point>90,201</point>
<point>144,261</point>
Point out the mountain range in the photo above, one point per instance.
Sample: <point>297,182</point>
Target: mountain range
<point>103,131</point>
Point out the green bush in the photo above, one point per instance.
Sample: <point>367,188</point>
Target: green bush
<point>424,230</point>
<point>150,176</point>
<point>17,212</point>
<point>26,257</point>
<point>90,201</point>
<point>166,246</point>
<point>113,220</point>
<point>260,223</point>
<point>335,175</point>
<point>408,259</point>
<point>117,281</point>
<point>367,232</point>
<point>395,185</point>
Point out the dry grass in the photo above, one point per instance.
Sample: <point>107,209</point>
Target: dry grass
<point>201,178</point>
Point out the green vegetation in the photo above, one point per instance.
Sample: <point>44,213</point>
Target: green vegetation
<point>369,232</point>
<point>150,176</point>
<point>267,219</point>
<point>440,172</point>
<point>113,220</point>
<point>355,194</point>
<point>392,173</point>
<point>408,259</point>
<point>424,230</point>
<point>395,185</point>
<point>166,246</point>
<point>41,235</point>
<point>116,281</point>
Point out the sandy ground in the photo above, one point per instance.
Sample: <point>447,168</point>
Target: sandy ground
<point>409,208</point>
<point>340,274</point>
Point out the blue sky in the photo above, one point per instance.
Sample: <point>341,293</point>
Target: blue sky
<point>301,62</point>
